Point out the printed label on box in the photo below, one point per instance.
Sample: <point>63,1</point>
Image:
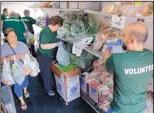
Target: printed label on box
<point>71,92</point>
<point>93,94</point>
<point>118,21</point>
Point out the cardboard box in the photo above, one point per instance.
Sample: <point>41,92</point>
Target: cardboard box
<point>83,85</point>
<point>67,83</point>
<point>63,5</point>
<point>73,5</point>
<point>71,92</point>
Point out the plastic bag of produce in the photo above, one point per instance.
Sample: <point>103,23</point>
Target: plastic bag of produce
<point>146,9</point>
<point>7,74</point>
<point>32,64</point>
<point>108,8</point>
<point>115,46</point>
<point>128,10</point>
<point>75,29</point>
<point>61,32</point>
<point>30,38</point>
<point>62,57</point>
<point>97,45</point>
<point>18,71</point>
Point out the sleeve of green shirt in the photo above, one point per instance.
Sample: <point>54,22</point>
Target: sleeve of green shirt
<point>4,27</point>
<point>110,64</point>
<point>3,17</point>
<point>33,20</point>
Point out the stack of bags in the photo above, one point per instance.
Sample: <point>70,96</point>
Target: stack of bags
<point>101,80</point>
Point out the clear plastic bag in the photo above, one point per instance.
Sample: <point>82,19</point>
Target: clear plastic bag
<point>6,74</point>
<point>30,38</point>
<point>61,32</point>
<point>62,57</point>
<point>32,64</point>
<point>18,72</point>
<point>115,46</point>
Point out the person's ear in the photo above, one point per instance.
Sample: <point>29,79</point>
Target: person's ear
<point>132,40</point>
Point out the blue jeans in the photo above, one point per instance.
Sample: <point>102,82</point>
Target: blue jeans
<point>45,67</point>
<point>18,89</point>
<point>111,111</point>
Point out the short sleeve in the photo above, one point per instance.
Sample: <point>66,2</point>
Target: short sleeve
<point>26,50</point>
<point>110,64</point>
<point>3,17</point>
<point>4,26</point>
<point>33,20</point>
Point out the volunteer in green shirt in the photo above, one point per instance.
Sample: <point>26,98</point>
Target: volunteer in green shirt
<point>47,52</point>
<point>29,21</point>
<point>132,71</point>
<point>5,14</point>
<point>16,24</point>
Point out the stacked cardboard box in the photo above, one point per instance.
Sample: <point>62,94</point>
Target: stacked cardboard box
<point>67,83</point>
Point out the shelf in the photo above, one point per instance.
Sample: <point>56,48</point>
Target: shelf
<point>146,19</point>
<point>97,12</point>
<point>94,52</point>
<point>69,9</point>
<point>91,102</point>
<point>88,48</point>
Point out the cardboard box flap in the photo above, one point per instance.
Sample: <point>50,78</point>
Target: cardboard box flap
<point>69,74</point>
<point>55,69</point>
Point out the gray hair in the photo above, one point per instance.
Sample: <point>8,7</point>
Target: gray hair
<point>140,37</point>
<point>12,14</point>
<point>26,11</point>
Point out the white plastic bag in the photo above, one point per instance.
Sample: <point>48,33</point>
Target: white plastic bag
<point>18,71</point>
<point>30,38</point>
<point>7,74</point>
<point>32,64</point>
<point>62,57</point>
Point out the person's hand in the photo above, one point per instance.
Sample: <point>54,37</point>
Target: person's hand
<point>59,44</point>
<point>6,82</point>
<point>27,72</point>
<point>107,55</point>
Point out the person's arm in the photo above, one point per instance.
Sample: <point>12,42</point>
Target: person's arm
<point>3,26</point>
<point>48,46</point>
<point>33,20</point>
<point>11,57</point>
<point>108,61</point>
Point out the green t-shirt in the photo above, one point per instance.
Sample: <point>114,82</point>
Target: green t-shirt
<point>29,21</point>
<point>132,72</point>
<point>46,37</point>
<point>17,25</point>
<point>3,17</point>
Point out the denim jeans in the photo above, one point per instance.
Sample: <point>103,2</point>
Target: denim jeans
<point>18,89</point>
